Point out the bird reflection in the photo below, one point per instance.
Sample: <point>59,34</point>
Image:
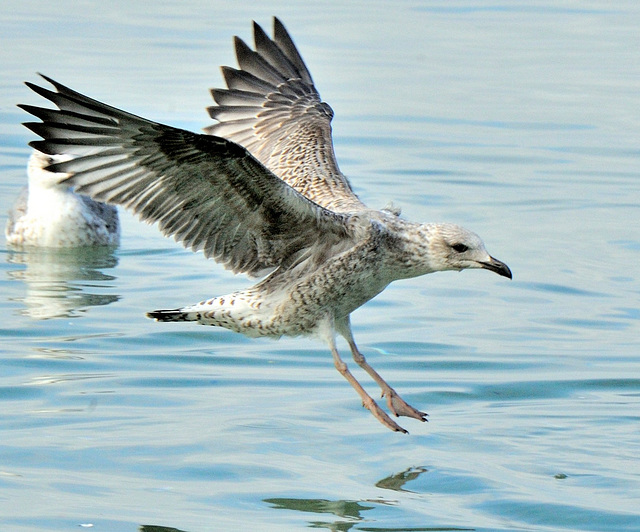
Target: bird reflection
<point>62,283</point>
<point>155,528</point>
<point>350,512</point>
<point>397,481</point>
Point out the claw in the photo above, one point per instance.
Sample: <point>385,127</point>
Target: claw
<point>382,416</point>
<point>399,407</point>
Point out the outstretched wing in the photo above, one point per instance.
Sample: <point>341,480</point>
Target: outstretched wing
<point>206,191</point>
<point>272,108</point>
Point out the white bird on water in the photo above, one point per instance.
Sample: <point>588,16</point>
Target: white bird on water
<point>49,214</point>
<point>261,194</point>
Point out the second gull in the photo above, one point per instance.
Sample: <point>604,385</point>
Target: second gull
<point>48,214</point>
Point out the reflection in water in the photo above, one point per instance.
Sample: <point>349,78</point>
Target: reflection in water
<point>346,509</point>
<point>59,282</point>
<point>396,481</point>
<point>350,511</point>
<point>155,528</point>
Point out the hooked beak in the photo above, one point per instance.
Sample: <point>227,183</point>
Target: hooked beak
<point>497,266</point>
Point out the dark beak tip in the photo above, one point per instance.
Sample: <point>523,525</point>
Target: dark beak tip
<point>498,267</point>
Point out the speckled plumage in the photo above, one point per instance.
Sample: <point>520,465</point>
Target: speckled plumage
<point>49,214</point>
<point>263,195</point>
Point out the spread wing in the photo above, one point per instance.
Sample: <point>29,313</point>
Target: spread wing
<point>272,108</point>
<point>206,191</point>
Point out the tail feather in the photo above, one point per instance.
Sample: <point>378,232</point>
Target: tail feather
<point>175,314</point>
<point>235,312</point>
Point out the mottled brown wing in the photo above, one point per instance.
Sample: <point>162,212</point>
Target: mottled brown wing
<point>272,108</point>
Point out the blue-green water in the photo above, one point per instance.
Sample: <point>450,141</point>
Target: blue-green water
<point>518,120</point>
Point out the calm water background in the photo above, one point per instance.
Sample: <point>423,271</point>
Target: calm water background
<point>519,120</point>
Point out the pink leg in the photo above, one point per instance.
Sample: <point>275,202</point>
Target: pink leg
<point>397,405</point>
<point>367,401</point>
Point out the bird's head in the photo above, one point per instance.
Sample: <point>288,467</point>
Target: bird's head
<point>452,247</point>
<point>39,175</point>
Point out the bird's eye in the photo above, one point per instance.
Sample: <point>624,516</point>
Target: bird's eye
<point>460,248</point>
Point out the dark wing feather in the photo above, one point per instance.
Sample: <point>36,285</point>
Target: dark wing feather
<point>272,108</point>
<point>206,191</point>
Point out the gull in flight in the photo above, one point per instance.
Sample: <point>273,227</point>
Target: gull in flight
<point>262,194</point>
<point>47,213</point>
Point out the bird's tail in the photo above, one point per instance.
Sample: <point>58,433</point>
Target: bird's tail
<point>175,314</point>
<point>236,312</point>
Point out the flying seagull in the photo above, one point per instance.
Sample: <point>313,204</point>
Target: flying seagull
<point>47,213</point>
<point>262,194</point>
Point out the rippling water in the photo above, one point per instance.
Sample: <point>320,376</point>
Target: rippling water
<point>517,120</point>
